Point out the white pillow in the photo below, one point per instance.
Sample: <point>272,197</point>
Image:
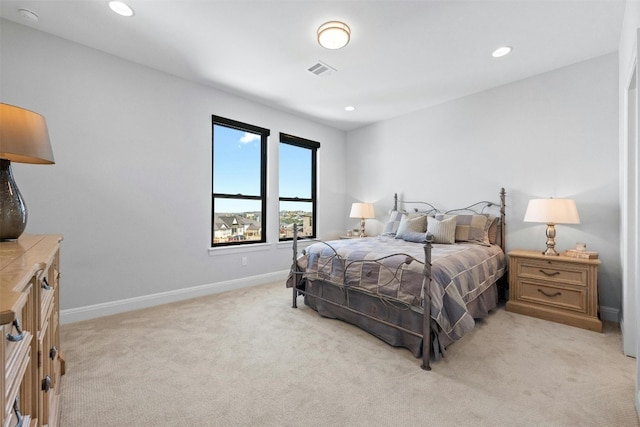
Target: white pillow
<point>443,231</point>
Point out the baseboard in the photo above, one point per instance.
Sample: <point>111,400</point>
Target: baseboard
<point>120,306</point>
<point>610,314</point>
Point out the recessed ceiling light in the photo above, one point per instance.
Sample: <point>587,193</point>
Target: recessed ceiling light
<point>501,51</point>
<point>28,15</point>
<point>350,108</point>
<point>120,8</point>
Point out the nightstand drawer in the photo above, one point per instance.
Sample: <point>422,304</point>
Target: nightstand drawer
<point>566,298</point>
<point>553,272</point>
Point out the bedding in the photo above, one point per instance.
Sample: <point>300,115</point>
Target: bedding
<point>460,273</point>
<point>419,285</point>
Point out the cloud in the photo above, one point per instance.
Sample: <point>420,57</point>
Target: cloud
<point>248,137</point>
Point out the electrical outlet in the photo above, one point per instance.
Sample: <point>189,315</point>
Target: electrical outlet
<point>244,261</point>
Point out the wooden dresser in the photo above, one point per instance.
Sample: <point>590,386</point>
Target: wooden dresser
<point>32,363</point>
<point>557,288</point>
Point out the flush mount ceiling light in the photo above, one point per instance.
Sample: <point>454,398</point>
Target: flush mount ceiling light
<point>28,15</point>
<point>334,35</point>
<point>501,51</point>
<point>120,8</point>
<point>350,108</point>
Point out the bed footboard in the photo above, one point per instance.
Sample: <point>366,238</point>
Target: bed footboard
<point>357,313</point>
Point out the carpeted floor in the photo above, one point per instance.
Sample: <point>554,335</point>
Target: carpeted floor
<point>246,358</point>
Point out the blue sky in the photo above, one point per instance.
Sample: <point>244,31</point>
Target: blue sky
<point>236,169</point>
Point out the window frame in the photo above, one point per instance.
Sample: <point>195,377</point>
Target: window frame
<point>262,197</point>
<point>313,146</point>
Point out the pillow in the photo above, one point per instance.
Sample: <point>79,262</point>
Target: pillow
<point>391,227</point>
<point>473,228</point>
<point>493,229</point>
<point>411,223</point>
<point>415,237</point>
<point>443,230</point>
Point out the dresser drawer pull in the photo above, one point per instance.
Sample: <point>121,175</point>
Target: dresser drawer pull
<point>46,384</point>
<point>20,336</point>
<point>45,284</point>
<point>546,294</point>
<point>555,273</point>
<point>16,409</point>
<point>53,353</point>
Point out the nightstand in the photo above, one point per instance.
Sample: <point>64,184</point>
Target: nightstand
<point>557,288</point>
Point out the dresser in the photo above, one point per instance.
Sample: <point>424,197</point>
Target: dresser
<point>557,288</point>
<point>32,362</point>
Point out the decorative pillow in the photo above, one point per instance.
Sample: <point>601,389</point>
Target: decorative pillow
<point>493,229</point>
<point>411,223</point>
<point>443,230</point>
<point>415,237</point>
<point>472,228</point>
<point>391,227</point>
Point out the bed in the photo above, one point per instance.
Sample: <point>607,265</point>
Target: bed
<point>452,262</point>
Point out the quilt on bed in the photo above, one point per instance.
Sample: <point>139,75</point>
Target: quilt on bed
<point>460,273</point>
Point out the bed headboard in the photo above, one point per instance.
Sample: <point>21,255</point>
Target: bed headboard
<point>482,207</point>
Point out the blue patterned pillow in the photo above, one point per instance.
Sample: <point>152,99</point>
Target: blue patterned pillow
<point>472,228</point>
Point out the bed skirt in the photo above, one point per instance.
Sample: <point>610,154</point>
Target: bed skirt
<point>396,324</point>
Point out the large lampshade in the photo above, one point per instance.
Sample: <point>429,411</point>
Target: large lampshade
<point>362,211</point>
<point>24,138</point>
<point>552,211</point>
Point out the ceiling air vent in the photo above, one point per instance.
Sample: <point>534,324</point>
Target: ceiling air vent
<point>321,69</point>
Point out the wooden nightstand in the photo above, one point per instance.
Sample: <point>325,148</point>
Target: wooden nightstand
<point>556,288</point>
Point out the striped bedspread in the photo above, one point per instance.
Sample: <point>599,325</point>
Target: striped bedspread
<point>460,273</point>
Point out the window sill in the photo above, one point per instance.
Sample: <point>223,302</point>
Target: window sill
<point>256,247</point>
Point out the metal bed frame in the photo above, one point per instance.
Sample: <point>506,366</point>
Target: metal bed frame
<point>427,323</point>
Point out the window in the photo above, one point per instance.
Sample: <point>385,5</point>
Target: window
<point>297,177</point>
<point>239,183</point>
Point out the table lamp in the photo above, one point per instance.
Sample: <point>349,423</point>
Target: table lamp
<point>551,212</point>
<point>362,211</point>
<point>24,138</point>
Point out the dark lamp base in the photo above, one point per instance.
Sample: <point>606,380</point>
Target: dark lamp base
<point>13,211</point>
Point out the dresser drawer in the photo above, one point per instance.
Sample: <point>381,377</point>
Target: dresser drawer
<point>566,298</point>
<point>553,272</point>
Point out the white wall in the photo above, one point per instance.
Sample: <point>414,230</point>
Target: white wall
<point>131,187</point>
<point>553,135</point>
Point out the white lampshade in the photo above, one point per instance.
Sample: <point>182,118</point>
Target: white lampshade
<point>334,35</point>
<point>552,211</point>
<point>362,210</point>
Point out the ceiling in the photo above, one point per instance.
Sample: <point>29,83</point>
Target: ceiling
<point>403,55</point>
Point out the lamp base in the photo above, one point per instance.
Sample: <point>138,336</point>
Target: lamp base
<point>551,241</point>
<point>13,211</point>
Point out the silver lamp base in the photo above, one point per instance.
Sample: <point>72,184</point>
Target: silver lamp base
<point>551,241</point>
<point>13,211</point>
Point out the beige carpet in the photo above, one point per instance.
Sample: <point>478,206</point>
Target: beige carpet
<point>246,358</point>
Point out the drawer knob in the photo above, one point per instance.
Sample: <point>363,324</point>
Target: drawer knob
<point>53,353</point>
<point>20,336</point>
<point>45,284</point>
<point>554,273</point>
<point>550,295</point>
<point>16,410</point>
<point>46,384</point>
